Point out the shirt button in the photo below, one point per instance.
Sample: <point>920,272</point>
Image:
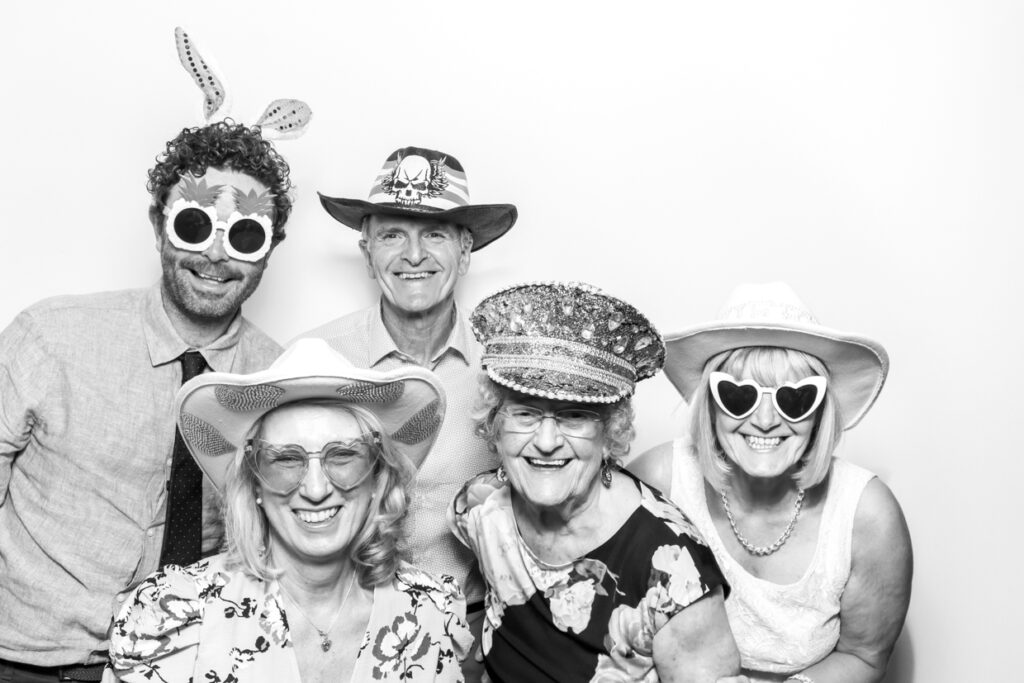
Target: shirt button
<point>150,532</point>
<point>168,462</point>
<point>121,597</point>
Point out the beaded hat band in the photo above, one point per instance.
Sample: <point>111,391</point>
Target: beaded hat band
<point>566,342</point>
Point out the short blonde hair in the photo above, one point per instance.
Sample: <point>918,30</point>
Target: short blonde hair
<point>617,417</point>
<point>768,366</point>
<point>377,548</point>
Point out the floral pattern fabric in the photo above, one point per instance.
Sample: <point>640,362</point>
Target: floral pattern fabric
<point>593,619</point>
<point>209,624</point>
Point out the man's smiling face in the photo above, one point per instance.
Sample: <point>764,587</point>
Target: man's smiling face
<point>210,285</point>
<point>416,261</point>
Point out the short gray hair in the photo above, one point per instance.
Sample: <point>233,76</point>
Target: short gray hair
<point>465,236</point>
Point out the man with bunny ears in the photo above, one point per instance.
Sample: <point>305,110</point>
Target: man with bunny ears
<point>96,488</point>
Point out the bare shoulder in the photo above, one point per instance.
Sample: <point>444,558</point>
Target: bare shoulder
<point>654,467</point>
<point>874,603</point>
<point>879,524</point>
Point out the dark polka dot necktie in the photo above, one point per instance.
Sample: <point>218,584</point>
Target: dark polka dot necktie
<point>183,529</point>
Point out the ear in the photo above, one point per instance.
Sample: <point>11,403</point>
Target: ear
<point>156,219</point>
<point>466,244</point>
<point>367,258</point>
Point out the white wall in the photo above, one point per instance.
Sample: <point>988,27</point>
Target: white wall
<point>870,153</point>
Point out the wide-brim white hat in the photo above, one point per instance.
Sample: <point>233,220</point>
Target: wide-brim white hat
<point>771,314</point>
<point>216,410</point>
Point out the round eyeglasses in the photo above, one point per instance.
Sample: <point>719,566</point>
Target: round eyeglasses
<point>282,467</point>
<point>577,422</point>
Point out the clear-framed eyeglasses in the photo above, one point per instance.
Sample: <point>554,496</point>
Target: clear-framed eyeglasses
<point>282,467</point>
<point>577,422</point>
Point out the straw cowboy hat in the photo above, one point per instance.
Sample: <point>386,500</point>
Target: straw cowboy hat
<point>425,183</point>
<point>772,315</point>
<point>217,410</point>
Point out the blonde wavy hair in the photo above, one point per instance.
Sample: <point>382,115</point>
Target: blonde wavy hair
<point>377,548</point>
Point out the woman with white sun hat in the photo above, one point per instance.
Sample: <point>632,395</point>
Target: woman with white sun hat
<point>314,457</point>
<point>816,549</point>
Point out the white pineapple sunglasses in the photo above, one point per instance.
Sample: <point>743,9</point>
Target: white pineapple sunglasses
<point>193,225</point>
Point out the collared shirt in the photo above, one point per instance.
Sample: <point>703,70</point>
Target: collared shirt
<point>87,386</point>
<point>457,455</point>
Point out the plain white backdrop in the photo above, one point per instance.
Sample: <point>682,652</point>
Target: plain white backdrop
<point>869,153</point>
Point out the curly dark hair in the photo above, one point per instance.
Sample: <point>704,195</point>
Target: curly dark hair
<point>224,145</point>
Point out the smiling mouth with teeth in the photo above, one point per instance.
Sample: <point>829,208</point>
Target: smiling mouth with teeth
<point>209,277</point>
<point>763,443</point>
<point>546,464</point>
<point>414,276</point>
<point>317,516</point>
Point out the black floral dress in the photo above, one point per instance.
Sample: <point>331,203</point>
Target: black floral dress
<point>593,619</point>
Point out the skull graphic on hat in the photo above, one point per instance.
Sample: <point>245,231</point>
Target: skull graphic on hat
<point>414,178</point>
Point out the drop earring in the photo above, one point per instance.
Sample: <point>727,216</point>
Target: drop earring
<point>606,473</point>
<point>500,474</point>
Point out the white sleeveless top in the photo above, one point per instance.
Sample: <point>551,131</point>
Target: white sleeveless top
<point>781,629</point>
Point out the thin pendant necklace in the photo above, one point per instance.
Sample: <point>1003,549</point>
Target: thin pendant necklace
<point>762,550</point>
<point>325,641</point>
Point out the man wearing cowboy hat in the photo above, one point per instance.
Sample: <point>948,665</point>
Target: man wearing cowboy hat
<point>418,229</point>
<point>95,493</point>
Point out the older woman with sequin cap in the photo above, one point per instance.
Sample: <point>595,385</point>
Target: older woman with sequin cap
<point>591,575</point>
<point>815,548</point>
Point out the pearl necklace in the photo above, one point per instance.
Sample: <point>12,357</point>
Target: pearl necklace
<point>325,642</point>
<point>761,550</point>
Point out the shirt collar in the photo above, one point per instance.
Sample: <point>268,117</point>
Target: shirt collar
<point>165,344</point>
<point>380,345</point>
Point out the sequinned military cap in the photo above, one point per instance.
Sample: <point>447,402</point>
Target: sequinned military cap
<point>566,341</point>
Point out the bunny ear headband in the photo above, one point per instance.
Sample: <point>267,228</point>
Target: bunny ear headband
<point>281,119</point>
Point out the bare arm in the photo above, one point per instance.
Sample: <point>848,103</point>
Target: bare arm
<point>877,595</point>
<point>696,645</point>
<point>654,467</point>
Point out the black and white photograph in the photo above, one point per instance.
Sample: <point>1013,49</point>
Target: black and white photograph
<point>511,343</point>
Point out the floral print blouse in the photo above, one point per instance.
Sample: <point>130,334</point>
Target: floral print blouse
<point>593,619</point>
<point>209,624</point>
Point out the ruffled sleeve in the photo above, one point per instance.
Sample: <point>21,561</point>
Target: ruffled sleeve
<point>157,629</point>
<point>473,494</point>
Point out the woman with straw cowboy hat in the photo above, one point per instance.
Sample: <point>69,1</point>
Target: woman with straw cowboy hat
<point>816,549</point>
<point>313,457</point>
<point>591,575</point>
